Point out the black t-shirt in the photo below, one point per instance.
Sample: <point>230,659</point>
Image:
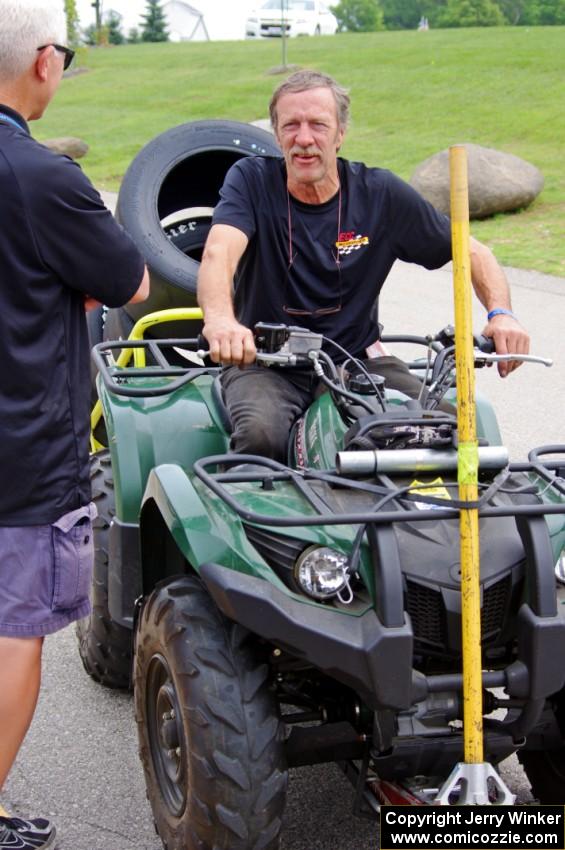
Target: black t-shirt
<point>375,219</point>
<point>58,243</point>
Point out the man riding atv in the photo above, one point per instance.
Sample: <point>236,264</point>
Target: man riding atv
<point>309,239</point>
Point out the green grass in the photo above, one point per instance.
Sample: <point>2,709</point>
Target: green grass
<point>413,94</point>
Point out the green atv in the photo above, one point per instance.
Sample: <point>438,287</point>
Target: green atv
<point>284,615</point>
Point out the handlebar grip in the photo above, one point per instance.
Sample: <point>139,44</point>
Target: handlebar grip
<point>485,344</point>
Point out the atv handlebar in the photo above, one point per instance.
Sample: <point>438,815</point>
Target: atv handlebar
<point>277,345</point>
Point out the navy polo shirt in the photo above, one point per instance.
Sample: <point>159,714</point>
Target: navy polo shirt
<point>333,256</point>
<point>58,244</point>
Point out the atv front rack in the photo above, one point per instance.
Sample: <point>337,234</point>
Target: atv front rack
<point>266,473</point>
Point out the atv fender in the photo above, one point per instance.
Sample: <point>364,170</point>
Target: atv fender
<point>172,510</point>
<point>374,660</point>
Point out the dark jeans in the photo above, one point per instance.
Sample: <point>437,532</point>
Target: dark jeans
<point>264,402</point>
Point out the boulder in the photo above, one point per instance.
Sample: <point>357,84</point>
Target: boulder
<point>68,145</point>
<point>263,123</point>
<point>498,181</point>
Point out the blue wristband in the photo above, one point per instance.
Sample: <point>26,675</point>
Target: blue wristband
<point>500,311</point>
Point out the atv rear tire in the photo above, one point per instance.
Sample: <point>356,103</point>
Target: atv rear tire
<point>104,646</point>
<point>209,734</point>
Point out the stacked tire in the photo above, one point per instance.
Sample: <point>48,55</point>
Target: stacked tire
<point>166,202</point>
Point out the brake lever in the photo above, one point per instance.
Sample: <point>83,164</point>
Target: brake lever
<point>485,345</point>
<point>270,358</point>
<point>264,358</point>
<point>483,357</point>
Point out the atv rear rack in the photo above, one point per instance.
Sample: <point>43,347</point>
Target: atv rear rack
<point>121,379</point>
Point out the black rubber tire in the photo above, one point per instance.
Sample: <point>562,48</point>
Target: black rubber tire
<point>545,769</point>
<point>118,325</point>
<point>215,771</point>
<point>105,647</point>
<point>95,325</point>
<point>188,230</point>
<point>180,169</point>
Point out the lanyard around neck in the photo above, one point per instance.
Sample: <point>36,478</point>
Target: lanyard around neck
<point>10,120</point>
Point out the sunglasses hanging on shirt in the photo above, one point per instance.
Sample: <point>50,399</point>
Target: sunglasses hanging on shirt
<point>321,311</point>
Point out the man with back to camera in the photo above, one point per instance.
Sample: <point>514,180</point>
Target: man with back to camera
<point>309,239</point>
<point>61,252</point>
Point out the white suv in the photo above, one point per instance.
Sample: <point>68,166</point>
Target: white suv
<point>300,17</point>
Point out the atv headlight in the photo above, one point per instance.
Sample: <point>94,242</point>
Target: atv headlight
<point>321,572</point>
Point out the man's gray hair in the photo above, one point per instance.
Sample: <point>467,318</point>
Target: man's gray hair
<point>26,25</point>
<point>305,80</point>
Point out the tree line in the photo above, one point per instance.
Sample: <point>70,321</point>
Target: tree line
<point>352,16</point>
<point>108,26</point>
<point>370,15</point>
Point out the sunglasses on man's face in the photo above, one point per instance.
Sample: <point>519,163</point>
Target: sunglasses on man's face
<point>69,54</point>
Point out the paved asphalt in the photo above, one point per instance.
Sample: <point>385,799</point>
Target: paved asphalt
<point>79,763</point>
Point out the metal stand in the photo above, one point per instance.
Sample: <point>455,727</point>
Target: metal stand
<point>475,785</point>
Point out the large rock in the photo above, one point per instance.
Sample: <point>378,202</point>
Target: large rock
<point>68,145</point>
<point>263,124</point>
<point>498,182</point>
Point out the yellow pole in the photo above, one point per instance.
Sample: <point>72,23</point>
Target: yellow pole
<point>467,460</point>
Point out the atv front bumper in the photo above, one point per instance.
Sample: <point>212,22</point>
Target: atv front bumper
<point>376,661</point>
<point>359,651</point>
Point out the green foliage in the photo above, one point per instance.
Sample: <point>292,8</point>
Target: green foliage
<point>113,21</point>
<point>134,36</point>
<point>543,13</point>
<point>401,14</point>
<point>154,27</point>
<point>406,14</point>
<point>90,35</point>
<point>358,15</point>
<point>73,30</point>
<point>512,10</point>
<point>470,13</point>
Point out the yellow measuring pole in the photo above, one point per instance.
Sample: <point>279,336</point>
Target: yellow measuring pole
<point>468,460</point>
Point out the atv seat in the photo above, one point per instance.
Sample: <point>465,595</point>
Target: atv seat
<point>220,405</point>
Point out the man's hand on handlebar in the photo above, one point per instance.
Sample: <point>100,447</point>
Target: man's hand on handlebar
<point>509,338</point>
<point>230,343</point>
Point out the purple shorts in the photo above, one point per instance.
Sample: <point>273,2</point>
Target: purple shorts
<point>45,574</point>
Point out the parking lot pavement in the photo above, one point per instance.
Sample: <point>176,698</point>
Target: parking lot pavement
<point>110,199</point>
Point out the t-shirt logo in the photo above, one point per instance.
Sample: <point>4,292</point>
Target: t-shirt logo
<point>350,241</point>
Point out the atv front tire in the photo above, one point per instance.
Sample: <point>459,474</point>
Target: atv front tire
<point>545,769</point>
<point>210,738</point>
<point>105,647</point>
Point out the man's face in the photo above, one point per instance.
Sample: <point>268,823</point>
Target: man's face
<point>310,136</point>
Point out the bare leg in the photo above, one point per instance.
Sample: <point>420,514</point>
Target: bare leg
<point>20,678</point>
